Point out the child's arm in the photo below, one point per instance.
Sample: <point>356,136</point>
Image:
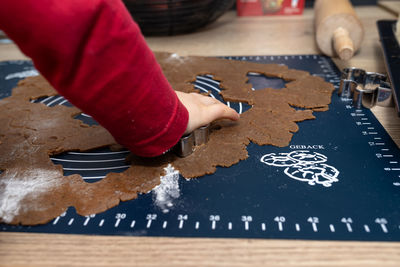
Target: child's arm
<point>94,54</point>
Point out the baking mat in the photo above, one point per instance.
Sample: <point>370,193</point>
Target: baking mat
<point>339,179</point>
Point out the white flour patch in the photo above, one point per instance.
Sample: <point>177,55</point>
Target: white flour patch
<point>176,58</point>
<point>165,193</point>
<point>15,187</point>
<point>22,74</point>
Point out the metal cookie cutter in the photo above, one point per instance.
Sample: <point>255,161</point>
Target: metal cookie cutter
<point>351,77</point>
<point>188,143</point>
<point>365,89</point>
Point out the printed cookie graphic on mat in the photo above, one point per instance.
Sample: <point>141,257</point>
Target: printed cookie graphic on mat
<point>305,166</point>
<point>313,174</point>
<point>278,160</point>
<point>306,157</point>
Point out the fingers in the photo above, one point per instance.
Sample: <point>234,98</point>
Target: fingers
<point>216,109</point>
<point>204,110</point>
<point>220,111</point>
<point>205,100</point>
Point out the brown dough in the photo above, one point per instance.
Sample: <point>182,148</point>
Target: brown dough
<point>33,190</point>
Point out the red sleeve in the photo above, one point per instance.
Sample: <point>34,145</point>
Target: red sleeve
<point>94,54</point>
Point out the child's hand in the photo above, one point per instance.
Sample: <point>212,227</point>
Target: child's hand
<point>203,110</point>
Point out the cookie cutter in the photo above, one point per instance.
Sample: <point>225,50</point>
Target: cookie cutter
<point>367,89</point>
<point>188,143</point>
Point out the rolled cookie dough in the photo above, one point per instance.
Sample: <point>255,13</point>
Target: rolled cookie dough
<point>33,190</point>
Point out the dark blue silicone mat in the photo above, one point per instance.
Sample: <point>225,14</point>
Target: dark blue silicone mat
<point>337,180</point>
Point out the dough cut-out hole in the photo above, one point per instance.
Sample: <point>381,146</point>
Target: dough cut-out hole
<point>261,81</point>
<point>298,108</point>
<point>207,84</point>
<point>89,121</point>
<point>92,165</point>
<point>52,101</point>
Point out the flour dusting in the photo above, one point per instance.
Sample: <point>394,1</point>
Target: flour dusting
<point>22,74</point>
<point>165,193</point>
<point>18,186</point>
<point>176,58</point>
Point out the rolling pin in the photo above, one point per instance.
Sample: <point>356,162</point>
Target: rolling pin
<point>339,32</point>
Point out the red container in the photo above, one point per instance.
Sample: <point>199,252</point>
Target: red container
<point>269,7</point>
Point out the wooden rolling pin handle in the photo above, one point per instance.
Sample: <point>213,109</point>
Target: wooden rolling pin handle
<point>343,44</point>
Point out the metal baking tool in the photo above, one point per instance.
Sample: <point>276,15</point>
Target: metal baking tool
<point>350,77</point>
<point>201,135</point>
<point>354,74</point>
<point>364,97</point>
<point>384,96</point>
<point>376,91</point>
<point>373,80</point>
<point>346,88</point>
<point>366,89</point>
<point>187,144</point>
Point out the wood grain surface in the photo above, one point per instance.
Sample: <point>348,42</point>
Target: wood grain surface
<point>228,36</point>
<point>73,250</point>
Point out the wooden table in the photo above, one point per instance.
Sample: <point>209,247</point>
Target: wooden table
<point>228,36</point>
